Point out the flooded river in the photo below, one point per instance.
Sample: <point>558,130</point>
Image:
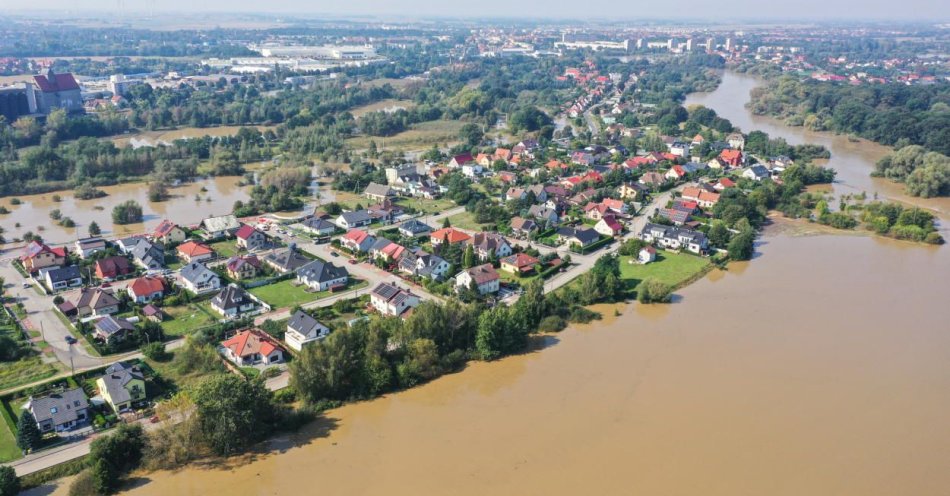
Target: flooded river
<point>182,208</point>
<point>853,159</point>
<point>821,367</point>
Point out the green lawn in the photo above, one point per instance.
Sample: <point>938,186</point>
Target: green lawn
<point>226,248</point>
<point>513,278</point>
<point>671,268</point>
<point>464,220</point>
<point>427,206</point>
<point>8,448</point>
<point>288,294</point>
<point>183,319</point>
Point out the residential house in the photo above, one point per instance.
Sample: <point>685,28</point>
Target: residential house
<point>523,227</point>
<point>39,256</point>
<point>285,261</point>
<point>322,276</point>
<point>193,251</point>
<point>519,263</point>
<point>112,268</point>
<point>484,278</point>
<point>153,313</point>
<point>487,244</point>
<point>676,173</point>
<point>243,267</point>
<point>424,264</point>
<point>146,289</point>
<point>122,386</point>
<point>389,299</point>
<point>731,157</point>
<point>198,279</point>
<point>630,191</point>
<point>88,246</point>
<point>413,229</point>
<point>676,216</point>
<point>60,411</point>
<point>736,140</point>
<point>460,160</point>
<point>652,179</point>
<point>96,302</point>
<point>252,347</point>
<point>609,226</point>
<point>220,227</point>
<point>112,330</point>
<point>378,192</point>
<point>168,233</point>
<point>675,238</point>
<point>539,192</point>
<point>545,215</point>
<point>582,237</point>
<point>250,239</point>
<point>352,220</point>
<point>148,256</point>
<point>319,227</point>
<point>357,241</point>
<point>724,183</point>
<point>126,245</point>
<point>703,198</point>
<point>448,235</point>
<point>756,173</point>
<point>302,329</point>
<point>515,193</point>
<point>234,301</point>
<point>390,253</point>
<point>60,278</point>
<point>647,254</point>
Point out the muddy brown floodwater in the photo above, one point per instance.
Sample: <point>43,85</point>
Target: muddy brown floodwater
<point>181,208</point>
<point>821,367</point>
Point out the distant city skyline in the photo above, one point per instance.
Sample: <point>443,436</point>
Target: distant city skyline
<point>724,10</point>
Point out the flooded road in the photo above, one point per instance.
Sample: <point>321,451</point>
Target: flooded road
<point>821,367</point>
<point>182,208</point>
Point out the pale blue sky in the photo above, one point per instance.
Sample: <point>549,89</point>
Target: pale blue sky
<point>603,9</point>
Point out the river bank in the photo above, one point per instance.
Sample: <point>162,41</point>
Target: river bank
<point>854,159</point>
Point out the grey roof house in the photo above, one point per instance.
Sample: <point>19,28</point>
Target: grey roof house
<point>60,411</point>
<point>302,329</point>
<point>321,276</point>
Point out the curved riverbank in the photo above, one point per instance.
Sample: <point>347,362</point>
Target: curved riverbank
<point>853,159</point>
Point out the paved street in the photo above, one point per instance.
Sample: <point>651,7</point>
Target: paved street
<point>41,317</point>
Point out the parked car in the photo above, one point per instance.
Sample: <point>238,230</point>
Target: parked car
<point>71,340</point>
<point>352,261</point>
<point>334,254</point>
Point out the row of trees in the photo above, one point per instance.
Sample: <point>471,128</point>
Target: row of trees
<point>885,113</point>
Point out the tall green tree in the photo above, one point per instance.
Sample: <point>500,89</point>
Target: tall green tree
<point>232,413</point>
<point>28,436</point>
<point>9,482</point>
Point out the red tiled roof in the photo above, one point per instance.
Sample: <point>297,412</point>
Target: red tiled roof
<point>450,235</point>
<point>251,341</point>
<point>245,232</point>
<point>62,82</point>
<point>164,228</point>
<point>520,260</point>
<point>193,249</point>
<point>147,285</point>
<point>356,235</point>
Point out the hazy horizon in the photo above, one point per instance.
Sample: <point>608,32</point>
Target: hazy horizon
<point>876,10</point>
